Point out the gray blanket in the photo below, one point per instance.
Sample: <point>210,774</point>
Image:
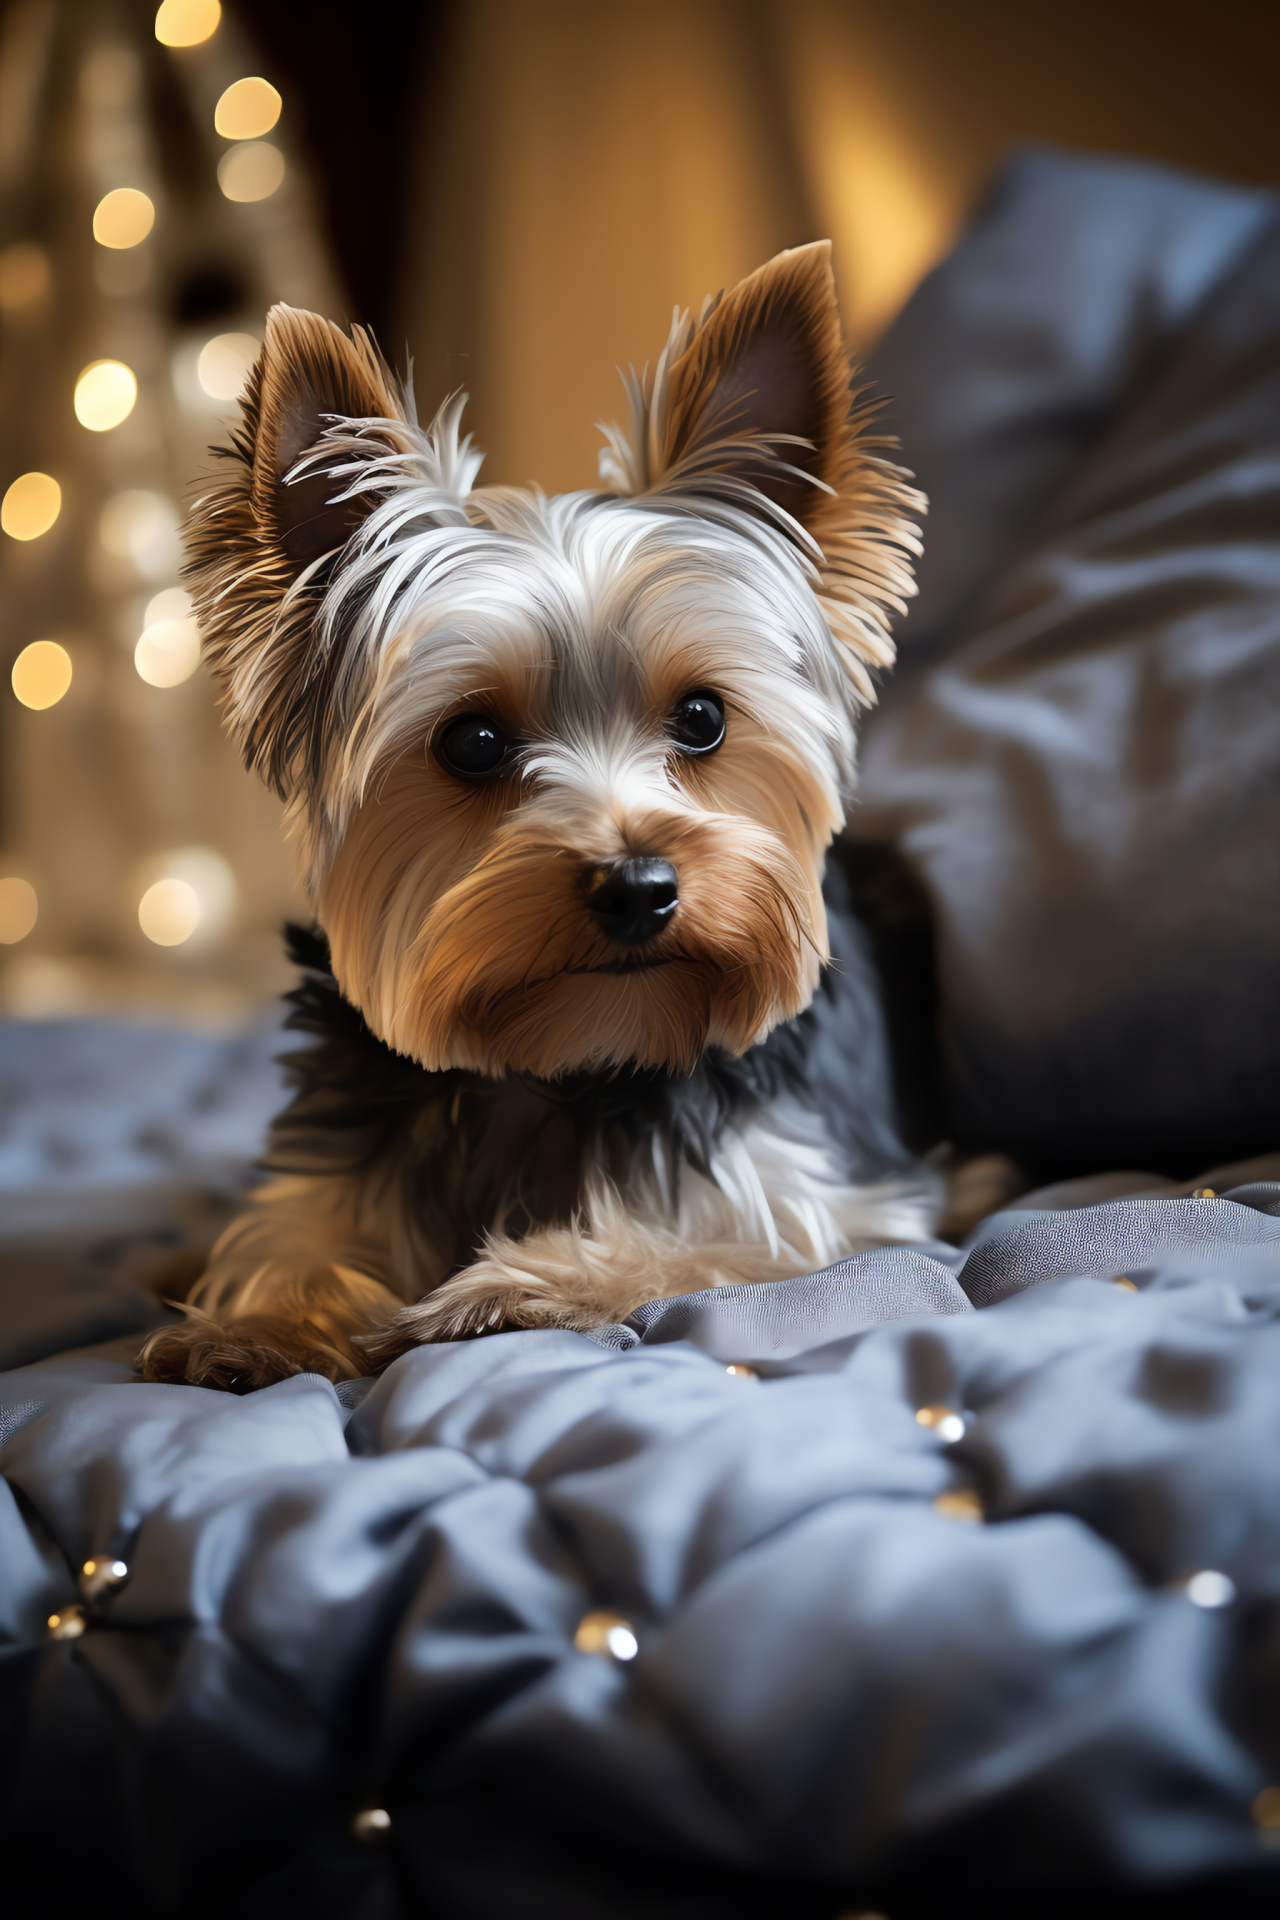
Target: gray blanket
<point>1026,1653</point>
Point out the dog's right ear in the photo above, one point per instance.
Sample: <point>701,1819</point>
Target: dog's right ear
<point>255,537</point>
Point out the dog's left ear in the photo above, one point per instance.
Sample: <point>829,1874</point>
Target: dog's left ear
<point>761,393</point>
<point>252,537</point>
<point>752,406</point>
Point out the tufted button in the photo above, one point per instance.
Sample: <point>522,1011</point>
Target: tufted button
<point>944,1421</point>
<point>739,1370</point>
<point>101,1575</point>
<point>67,1624</point>
<point>962,1503</point>
<point>1210,1588</point>
<point>606,1633</point>
<point>1123,1281</point>
<point>1204,1193</point>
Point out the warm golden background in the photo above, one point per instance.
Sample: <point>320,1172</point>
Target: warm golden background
<point>517,191</point>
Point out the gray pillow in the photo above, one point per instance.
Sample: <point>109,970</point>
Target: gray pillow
<point>1020,350</point>
<point>1087,777</point>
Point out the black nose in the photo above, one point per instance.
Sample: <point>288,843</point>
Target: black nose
<point>634,901</point>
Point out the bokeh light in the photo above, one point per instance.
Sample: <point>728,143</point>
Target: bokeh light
<point>30,506</point>
<point>105,395</point>
<point>41,674</point>
<point>169,912</point>
<point>168,652</point>
<point>142,527</point>
<point>174,603</point>
<point>185,23</point>
<point>251,171</point>
<point>248,109</point>
<point>123,218</point>
<point>224,364</point>
<point>196,890</point>
<point>24,275</point>
<point>19,909</point>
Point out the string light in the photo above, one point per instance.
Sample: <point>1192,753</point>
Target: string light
<point>173,604</point>
<point>196,891</point>
<point>141,527</point>
<point>123,218</point>
<point>41,674</point>
<point>168,652</point>
<point>251,171</point>
<point>169,912</point>
<point>24,275</point>
<point>30,506</point>
<point>19,909</point>
<point>105,395</point>
<point>248,109</point>
<point>186,23</point>
<point>224,364</point>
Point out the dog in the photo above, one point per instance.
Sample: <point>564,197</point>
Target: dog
<point>561,777</point>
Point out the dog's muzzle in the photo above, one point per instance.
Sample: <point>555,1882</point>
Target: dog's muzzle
<point>633,901</point>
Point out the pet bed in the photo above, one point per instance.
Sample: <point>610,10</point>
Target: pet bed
<point>945,1580</point>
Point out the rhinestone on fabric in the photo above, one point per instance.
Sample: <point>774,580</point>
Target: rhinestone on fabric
<point>67,1624</point>
<point>1210,1588</point>
<point>607,1633</point>
<point>371,1824</point>
<point>944,1421</point>
<point>100,1575</point>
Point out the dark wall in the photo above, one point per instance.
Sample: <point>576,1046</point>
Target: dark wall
<point>358,73</point>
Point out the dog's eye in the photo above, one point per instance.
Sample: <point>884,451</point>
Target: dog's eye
<point>472,745</point>
<point>698,722</point>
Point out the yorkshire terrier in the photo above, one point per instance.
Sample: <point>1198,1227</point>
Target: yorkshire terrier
<point>562,775</point>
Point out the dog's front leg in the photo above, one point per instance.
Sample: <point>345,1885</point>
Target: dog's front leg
<point>589,1274</point>
<point>289,1287</point>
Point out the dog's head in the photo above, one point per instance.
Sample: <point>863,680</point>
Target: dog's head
<point>562,772</point>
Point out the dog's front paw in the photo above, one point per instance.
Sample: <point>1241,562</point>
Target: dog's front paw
<point>242,1355</point>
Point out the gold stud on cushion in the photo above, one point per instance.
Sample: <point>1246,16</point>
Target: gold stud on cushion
<point>1204,1193</point>
<point>1125,1284</point>
<point>944,1421</point>
<point>100,1575</point>
<point>67,1624</point>
<point>1266,1811</point>
<point>606,1633</point>
<point>961,1504</point>
<point>739,1370</point>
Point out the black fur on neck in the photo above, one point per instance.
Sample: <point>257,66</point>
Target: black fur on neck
<point>470,1154</point>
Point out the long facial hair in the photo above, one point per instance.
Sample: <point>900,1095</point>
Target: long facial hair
<point>356,592</point>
